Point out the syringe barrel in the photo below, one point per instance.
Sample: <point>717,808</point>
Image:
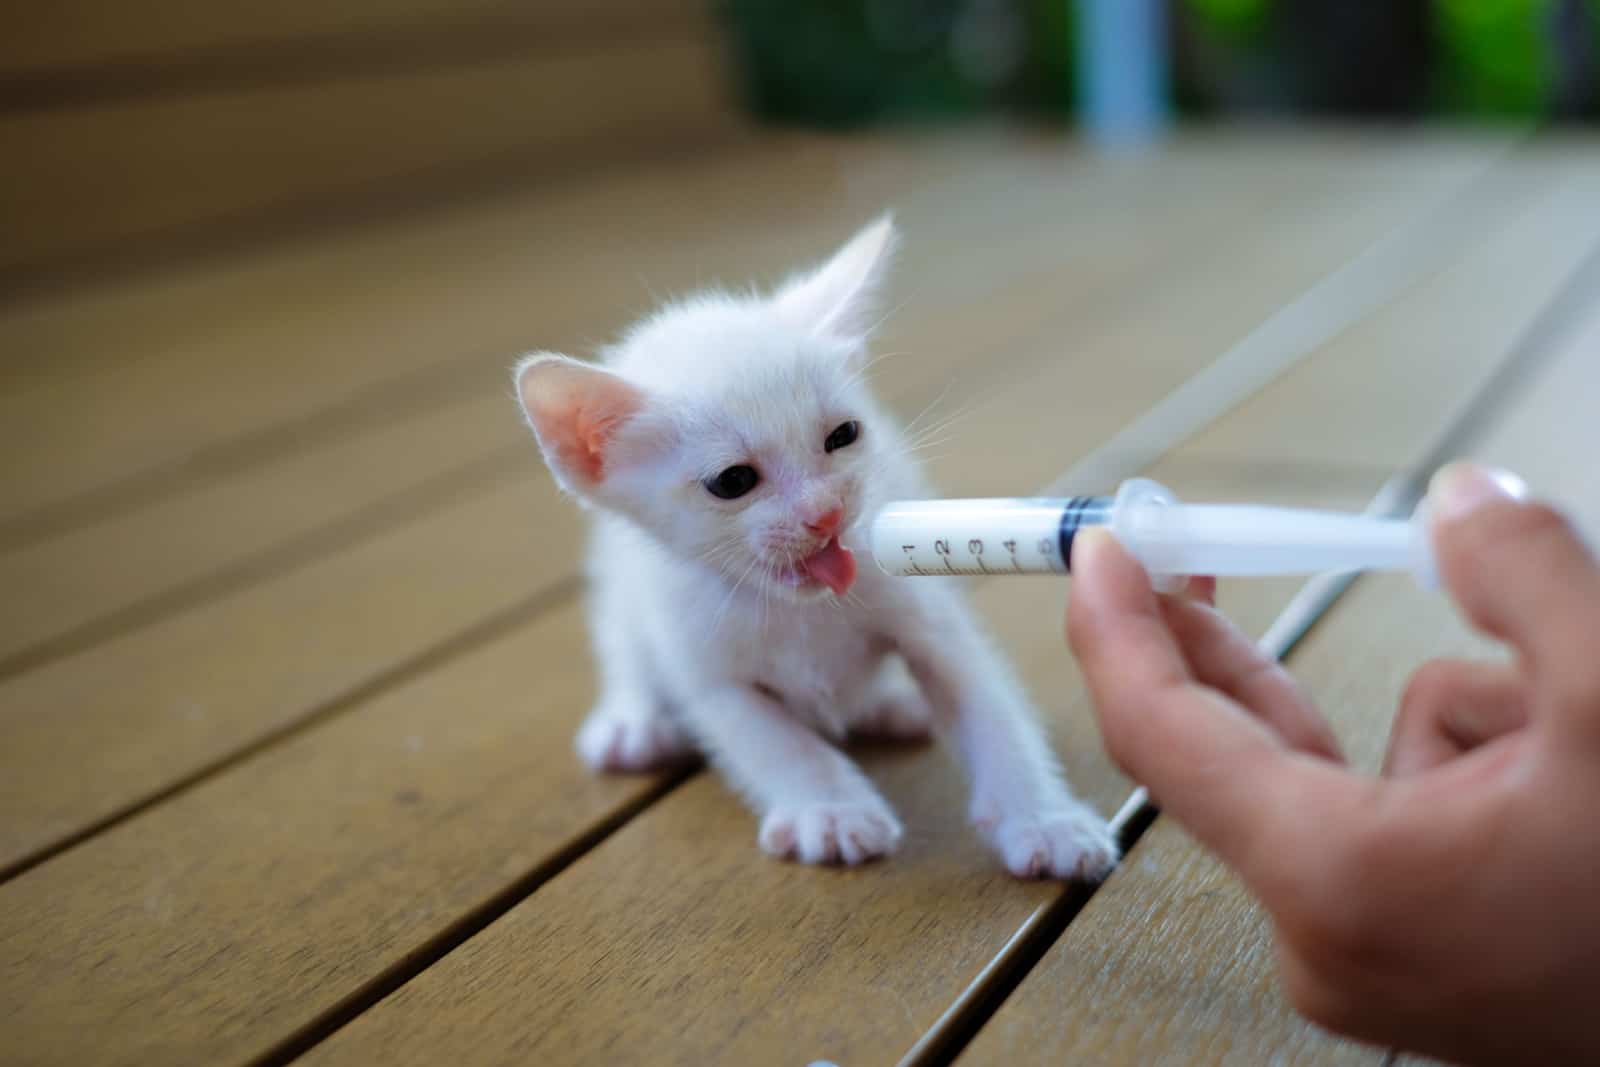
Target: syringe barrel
<point>976,537</point>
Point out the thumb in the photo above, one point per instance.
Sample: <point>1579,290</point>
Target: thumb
<point>1521,573</point>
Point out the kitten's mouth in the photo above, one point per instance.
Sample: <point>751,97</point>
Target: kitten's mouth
<point>833,565</point>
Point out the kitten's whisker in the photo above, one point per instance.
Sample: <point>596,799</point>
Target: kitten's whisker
<point>719,556</point>
<point>727,601</point>
<point>932,404</point>
<point>926,442</point>
<point>942,424</point>
<point>862,371</point>
<point>894,310</point>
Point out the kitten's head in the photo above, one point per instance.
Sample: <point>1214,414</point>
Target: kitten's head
<point>738,430</point>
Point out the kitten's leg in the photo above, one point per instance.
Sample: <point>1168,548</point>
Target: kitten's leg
<point>891,706</point>
<point>631,728</point>
<point>815,805</point>
<point>1020,799</point>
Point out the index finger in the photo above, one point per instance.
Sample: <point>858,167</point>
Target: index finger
<point>1212,765</point>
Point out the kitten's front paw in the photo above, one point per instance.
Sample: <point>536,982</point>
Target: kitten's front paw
<point>830,833</point>
<point>1073,843</point>
<point>610,742</point>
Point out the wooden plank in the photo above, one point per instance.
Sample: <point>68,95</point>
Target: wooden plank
<point>275,950</point>
<point>81,707</point>
<point>1172,961</point>
<point>719,954</point>
<point>96,34</point>
<point>88,179</point>
<point>87,584</point>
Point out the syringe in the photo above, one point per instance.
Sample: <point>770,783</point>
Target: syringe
<point>1171,539</point>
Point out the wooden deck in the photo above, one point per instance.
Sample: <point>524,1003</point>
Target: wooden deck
<point>293,653</point>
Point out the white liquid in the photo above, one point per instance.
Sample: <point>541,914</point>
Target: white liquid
<point>999,536</point>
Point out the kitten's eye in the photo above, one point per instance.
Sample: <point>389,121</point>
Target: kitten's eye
<point>843,436</point>
<point>733,483</point>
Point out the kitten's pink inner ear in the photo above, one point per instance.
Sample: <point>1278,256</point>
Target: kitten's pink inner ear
<point>577,411</point>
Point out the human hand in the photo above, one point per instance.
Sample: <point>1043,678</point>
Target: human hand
<point>1450,907</point>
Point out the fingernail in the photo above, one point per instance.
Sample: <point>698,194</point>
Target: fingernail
<point>1086,545</point>
<point>1459,489</point>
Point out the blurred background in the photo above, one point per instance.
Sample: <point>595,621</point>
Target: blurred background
<point>877,60</point>
<point>148,129</point>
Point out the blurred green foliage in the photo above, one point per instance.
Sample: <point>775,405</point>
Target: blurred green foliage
<point>845,62</point>
<point>1239,19</point>
<point>851,62</point>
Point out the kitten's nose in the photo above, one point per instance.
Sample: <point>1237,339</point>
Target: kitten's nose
<point>826,524</point>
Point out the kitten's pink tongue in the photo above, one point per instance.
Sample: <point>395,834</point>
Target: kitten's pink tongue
<point>834,566</point>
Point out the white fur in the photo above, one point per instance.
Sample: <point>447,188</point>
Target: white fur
<point>699,645</point>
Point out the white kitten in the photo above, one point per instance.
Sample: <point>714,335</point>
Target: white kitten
<point>733,454</point>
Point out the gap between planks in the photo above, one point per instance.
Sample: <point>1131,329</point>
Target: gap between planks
<point>382,402</point>
<point>1538,343</point>
<point>468,926</point>
<point>480,474</point>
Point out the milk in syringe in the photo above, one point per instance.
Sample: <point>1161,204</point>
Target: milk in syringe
<point>1172,539</point>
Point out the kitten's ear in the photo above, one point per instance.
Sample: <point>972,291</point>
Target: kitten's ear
<point>576,411</point>
<point>840,297</point>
